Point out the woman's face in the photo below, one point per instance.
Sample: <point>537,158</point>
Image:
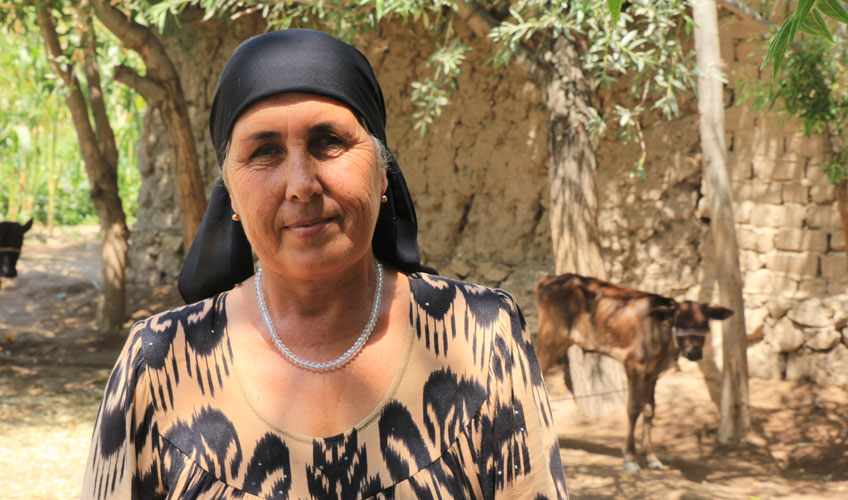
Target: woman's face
<point>304,177</point>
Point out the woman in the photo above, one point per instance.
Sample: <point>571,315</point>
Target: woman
<point>341,369</point>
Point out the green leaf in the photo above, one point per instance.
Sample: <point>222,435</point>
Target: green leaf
<point>803,9</point>
<point>834,9</point>
<point>815,25</point>
<point>779,44</point>
<point>615,9</point>
<point>799,16</point>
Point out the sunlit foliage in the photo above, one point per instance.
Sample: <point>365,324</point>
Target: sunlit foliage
<point>41,169</point>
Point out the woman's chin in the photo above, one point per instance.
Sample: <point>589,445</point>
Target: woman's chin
<point>313,264</point>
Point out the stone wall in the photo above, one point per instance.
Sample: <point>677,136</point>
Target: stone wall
<point>792,249</point>
<point>479,181</point>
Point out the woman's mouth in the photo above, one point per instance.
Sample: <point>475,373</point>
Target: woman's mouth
<point>305,228</point>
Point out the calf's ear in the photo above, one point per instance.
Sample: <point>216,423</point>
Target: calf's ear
<point>661,313</point>
<point>717,312</point>
<point>28,225</point>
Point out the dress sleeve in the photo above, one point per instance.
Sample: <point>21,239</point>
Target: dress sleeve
<point>122,441</point>
<point>526,449</point>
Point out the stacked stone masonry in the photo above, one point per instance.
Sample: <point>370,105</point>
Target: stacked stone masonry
<point>792,249</point>
<point>479,179</point>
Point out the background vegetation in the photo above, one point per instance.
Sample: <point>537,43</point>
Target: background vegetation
<point>42,174</point>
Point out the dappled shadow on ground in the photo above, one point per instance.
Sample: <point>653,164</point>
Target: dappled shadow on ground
<point>54,365</point>
<point>797,447</point>
<point>48,343</point>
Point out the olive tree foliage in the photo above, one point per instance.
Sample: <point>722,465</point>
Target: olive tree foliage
<point>814,88</point>
<point>645,42</point>
<point>809,17</point>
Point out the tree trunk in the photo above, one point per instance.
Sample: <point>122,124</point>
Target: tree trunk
<point>841,185</point>
<point>599,383</point>
<point>103,177</point>
<point>842,204</point>
<point>161,87</point>
<point>187,179</point>
<point>113,260</point>
<point>22,183</point>
<point>52,180</point>
<point>735,420</point>
<point>840,188</point>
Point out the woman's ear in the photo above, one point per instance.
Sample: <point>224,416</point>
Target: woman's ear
<point>233,204</point>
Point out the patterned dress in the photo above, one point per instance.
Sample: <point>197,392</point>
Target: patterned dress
<point>466,416</point>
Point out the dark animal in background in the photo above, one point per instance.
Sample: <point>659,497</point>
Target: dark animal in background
<point>644,331</point>
<point>11,241</point>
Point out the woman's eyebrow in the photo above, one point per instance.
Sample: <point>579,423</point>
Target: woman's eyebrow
<point>260,136</point>
<point>332,126</point>
<point>327,127</point>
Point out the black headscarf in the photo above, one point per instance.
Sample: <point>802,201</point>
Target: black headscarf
<point>295,60</point>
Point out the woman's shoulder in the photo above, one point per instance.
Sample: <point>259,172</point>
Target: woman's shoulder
<point>438,295</point>
<point>200,325</point>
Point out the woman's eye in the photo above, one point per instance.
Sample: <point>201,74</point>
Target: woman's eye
<point>326,145</point>
<point>266,151</point>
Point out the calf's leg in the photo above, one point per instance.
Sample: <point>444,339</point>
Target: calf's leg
<point>647,421</point>
<point>566,374</point>
<point>552,343</point>
<point>635,383</point>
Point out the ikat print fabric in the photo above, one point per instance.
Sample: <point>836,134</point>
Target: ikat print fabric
<point>467,415</point>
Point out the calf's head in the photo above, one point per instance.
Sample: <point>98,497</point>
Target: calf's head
<point>11,241</point>
<point>692,324</point>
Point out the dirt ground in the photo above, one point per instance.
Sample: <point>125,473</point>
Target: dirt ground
<point>53,368</point>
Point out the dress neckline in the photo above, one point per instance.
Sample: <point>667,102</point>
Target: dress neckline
<point>369,419</point>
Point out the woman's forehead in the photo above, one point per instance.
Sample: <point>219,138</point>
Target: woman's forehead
<point>295,108</point>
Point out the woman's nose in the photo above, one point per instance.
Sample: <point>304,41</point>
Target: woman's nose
<point>302,182</point>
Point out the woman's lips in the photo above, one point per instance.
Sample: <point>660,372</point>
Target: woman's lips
<point>308,227</point>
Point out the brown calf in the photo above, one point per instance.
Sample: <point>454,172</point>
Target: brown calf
<point>644,331</point>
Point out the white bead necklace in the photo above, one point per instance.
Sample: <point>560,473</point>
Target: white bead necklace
<point>326,366</point>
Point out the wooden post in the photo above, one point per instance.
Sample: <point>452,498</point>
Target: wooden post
<point>735,420</point>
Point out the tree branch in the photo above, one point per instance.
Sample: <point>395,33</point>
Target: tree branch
<point>54,48</point>
<point>482,23</point>
<point>162,85</point>
<point>747,13</point>
<point>103,129</point>
<point>100,174</point>
<point>150,89</point>
<point>139,38</point>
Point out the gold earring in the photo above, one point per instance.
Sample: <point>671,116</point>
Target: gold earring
<point>384,199</point>
<point>236,217</point>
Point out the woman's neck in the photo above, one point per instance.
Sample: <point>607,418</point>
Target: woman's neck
<point>326,312</point>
